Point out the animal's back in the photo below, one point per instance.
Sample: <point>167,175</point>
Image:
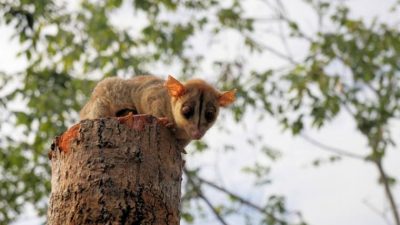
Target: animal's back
<point>114,94</point>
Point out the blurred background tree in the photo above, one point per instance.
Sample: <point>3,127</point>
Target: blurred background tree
<point>350,65</point>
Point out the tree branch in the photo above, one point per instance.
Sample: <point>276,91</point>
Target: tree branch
<point>388,191</point>
<point>281,34</point>
<point>375,210</point>
<point>280,54</point>
<point>330,149</point>
<point>237,197</point>
<point>216,213</point>
<point>282,13</point>
<point>200,194</point>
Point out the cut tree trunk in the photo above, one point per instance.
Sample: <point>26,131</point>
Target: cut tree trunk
<point>124,170</point>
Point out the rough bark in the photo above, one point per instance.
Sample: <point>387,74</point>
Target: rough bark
<point>116,171</point>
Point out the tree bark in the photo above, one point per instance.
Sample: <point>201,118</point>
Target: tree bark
<point>124,170</point>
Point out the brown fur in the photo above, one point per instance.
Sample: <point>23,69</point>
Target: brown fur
<point>152,95</point>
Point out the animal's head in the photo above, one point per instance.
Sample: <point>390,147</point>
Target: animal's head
<point>195,105</point>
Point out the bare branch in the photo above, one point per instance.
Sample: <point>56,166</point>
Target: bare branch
<point>334,150</point>
<point>280,54</point>
<point>282,14</point>
<point>216,213</point>
<point>285,42</point>
<point>388,191</point>
<point>281,34</point>
<point>237,197</point>
<point>375,210</point>
<point>200,194</point>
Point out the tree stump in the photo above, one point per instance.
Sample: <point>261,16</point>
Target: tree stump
<point>125,170</point>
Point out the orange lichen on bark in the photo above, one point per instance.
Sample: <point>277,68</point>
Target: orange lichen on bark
<point>136,122</point>
<point>64,140</point>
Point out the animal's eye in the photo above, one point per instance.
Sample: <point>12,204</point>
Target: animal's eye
<point>210,116</point>
<point>187,111</point>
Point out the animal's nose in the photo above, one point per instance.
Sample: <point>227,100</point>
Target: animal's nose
<point>197,134</point>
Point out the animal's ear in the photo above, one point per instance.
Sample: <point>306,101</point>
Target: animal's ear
<point>175,88</point>
<point>226,98</point>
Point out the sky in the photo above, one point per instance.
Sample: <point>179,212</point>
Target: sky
<point>345,192</point>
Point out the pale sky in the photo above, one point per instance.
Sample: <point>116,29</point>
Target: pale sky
<point>328,195</point>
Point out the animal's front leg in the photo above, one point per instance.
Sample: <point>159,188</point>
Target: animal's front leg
<point>166,122</point>
<point>125,112</point>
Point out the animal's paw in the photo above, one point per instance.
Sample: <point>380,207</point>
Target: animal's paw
<point>125,112</point>
<point>165,122</point>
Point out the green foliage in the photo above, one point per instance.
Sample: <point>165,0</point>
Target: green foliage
<point>64,48</point>
<point>67,47</point>
<point>367,90</point>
